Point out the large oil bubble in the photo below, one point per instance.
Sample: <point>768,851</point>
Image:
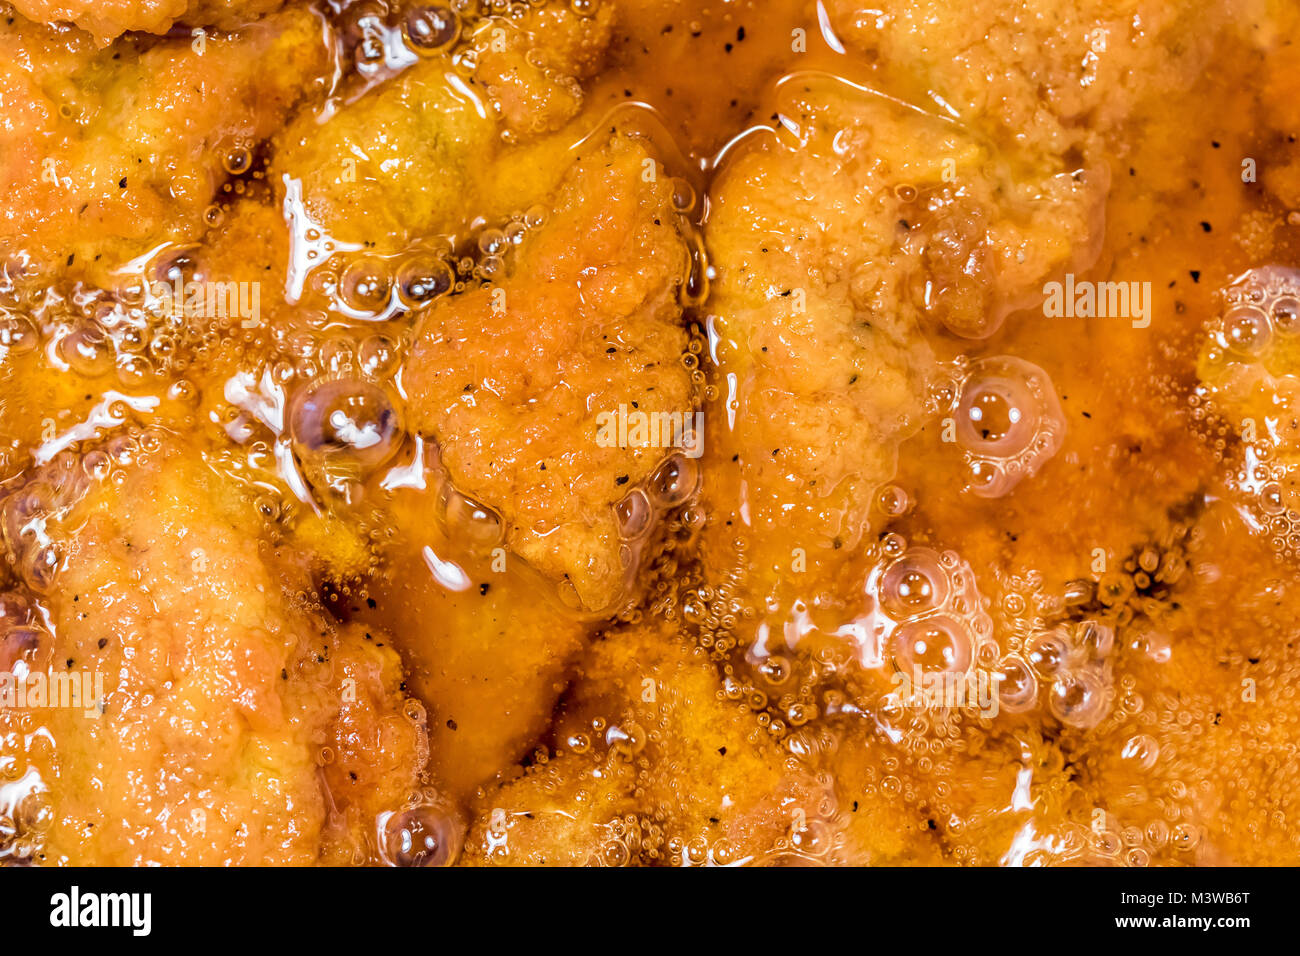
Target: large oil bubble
<point>343,428</point>
<point>1017,686</point>
<point>914,584</point>
<point>1008,423</point>
<point>424,835</point>
<point>937,643</point>
<point>1079,698</point>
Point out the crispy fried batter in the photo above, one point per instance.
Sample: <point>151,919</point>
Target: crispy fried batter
<point>710,785</point>
<point>832,248</point>
<point>512,380</point>
<point>108,153</point>
<point>220,678</point>
<point>424,153</point>
<point>106,20</point>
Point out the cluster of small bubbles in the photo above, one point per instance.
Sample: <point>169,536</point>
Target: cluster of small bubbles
<point>905,192</point>
<point>1141,585</point>
<point>683,196</point>
<point>674,482</point>
<point>1250,373</point>
<point>1073,662</point>
<point>925,615</point>
<point>1008,423</point>
<point>28,513</point>
<point>668,572</point>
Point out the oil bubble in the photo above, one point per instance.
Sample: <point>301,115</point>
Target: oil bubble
<point>18,335</point>
<point>424,835</point>
<point>1142,750</point>
<point>378,355</point>
<point>914,584</point>
<point>935,644</point>
<point>237,160</point>
<point>87,351</point>
<point>1078,698</point>
<point>364,286</point>
<point>345,427</point>
<point>1009,423</point>
<point>430,29</point>
<point>471,522</point>
<point>1047,652</point>
<point>673,482</point>
<point>1018,687</point>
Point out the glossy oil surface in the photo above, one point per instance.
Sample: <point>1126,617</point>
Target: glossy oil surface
<point>650,432</point>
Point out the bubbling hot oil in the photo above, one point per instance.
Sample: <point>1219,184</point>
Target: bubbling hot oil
<point>307,411</point>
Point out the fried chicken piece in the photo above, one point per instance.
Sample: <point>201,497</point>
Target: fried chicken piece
<point>238,724</point>
<point>106,20</point>
<point>570,811</point>
<point>516,380</point>
<point>878,826</point>
<point>533,73</point>
<point>421,155</point>
<point>399,162</point>
<point>110,153</point>
<point>710,784</point>
<point>835,245</point>
<point>1044,75</point>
